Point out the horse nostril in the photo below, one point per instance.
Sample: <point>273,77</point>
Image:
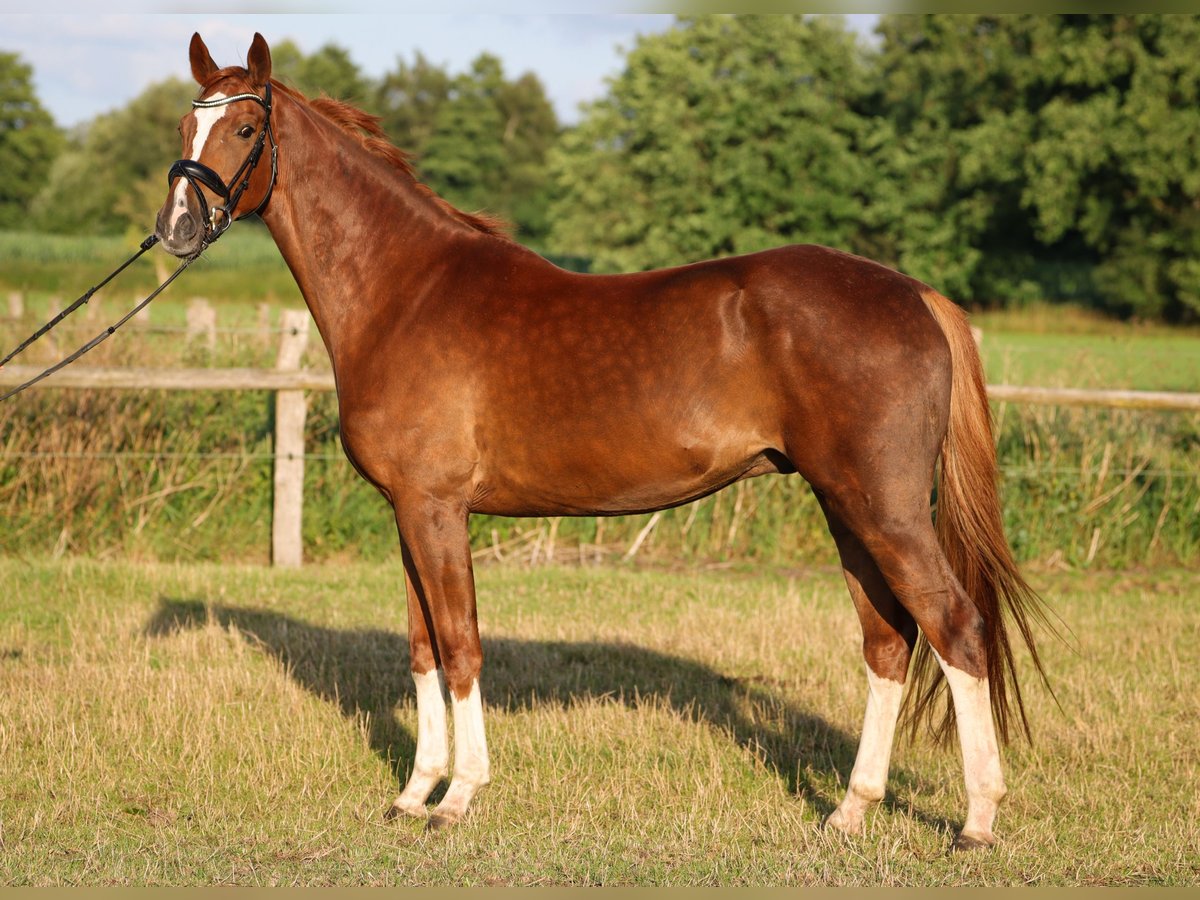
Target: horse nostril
<point>185,228</point>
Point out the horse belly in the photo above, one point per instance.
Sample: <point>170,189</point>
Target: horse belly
<point>580,471</point>
<point>638,393</point>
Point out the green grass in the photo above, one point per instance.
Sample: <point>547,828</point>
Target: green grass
<point>243,268</point>
<point>1133,361</point>
<point>198,724</point>
<point>1068,346</point>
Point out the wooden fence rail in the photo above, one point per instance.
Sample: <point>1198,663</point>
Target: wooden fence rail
<point>234,379</point>
<point>290,382</point>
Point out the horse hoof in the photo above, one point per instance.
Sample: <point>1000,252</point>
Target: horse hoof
<point>396,810</point>
<point>838,821</point>
<point>965,842</point>
<point>440,820</point>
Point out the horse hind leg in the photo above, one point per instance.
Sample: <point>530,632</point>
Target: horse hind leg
<point>893,523</point>
<point>889,634</point>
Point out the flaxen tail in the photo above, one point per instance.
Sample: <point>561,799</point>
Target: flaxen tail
<point>971,532</point>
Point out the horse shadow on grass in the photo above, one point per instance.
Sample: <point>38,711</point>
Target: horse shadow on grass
<point>365,672</point>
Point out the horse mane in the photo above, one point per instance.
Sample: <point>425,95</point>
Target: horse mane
<point>365,128</point>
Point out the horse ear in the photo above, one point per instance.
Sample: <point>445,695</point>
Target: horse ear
<point>202,63</point>
<point>258,62</point>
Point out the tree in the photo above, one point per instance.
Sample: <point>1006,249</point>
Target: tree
<point>488,144</point>
<point>29,140</point>
<point>480,140</point>
<point>408,100</point>
<point>329,70</point>
<point>1042,156</point>
<point>122,155</point>
<point>465,152</point>
<point>947,147</point>
<point>1116,161</point>
<point>726,134</point>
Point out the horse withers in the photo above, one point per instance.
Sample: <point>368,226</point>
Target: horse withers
<point>474,376</point>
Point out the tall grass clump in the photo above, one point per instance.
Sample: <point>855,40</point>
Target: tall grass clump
<point>187,475</point>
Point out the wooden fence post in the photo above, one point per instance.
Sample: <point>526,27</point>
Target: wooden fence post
<point>202,322</point>
<point>290,410</point>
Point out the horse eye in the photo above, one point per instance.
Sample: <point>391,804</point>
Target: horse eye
<point>246,131</point>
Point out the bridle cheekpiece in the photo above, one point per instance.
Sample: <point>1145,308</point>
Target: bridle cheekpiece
<point>197,174</point>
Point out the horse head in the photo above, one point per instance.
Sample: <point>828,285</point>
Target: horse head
<point>219,178</point>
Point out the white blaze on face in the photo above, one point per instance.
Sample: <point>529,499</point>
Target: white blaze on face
<point>206,118</point>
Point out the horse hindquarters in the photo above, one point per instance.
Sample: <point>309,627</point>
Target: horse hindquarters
<point>872,466</point>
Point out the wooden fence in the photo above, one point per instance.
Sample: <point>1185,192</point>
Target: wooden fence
<point>290,382</point>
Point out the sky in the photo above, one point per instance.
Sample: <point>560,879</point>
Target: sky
<point>87,64</point>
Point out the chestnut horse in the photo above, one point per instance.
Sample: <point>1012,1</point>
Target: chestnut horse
<point>474,376</point>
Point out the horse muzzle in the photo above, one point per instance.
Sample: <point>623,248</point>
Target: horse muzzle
<point>186,233</point>
<point>181,234</point>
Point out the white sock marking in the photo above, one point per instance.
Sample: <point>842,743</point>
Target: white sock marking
<point>879,730</point>
<point>980,750</point>
<point>470,742</point>
<point>471,766</point>
<point>868,780</point>
<point>433,753</point>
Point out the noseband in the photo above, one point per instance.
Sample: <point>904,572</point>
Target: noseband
<point>197,174</point>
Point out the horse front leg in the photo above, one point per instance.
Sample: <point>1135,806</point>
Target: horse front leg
<point>433,754</point>
<point>437,563</point>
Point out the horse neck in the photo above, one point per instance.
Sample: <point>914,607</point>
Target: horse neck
<point>359,236</point>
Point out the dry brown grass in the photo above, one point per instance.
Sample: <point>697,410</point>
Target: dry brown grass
<point>199,724</point>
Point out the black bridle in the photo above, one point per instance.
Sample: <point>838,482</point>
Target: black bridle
<point>197,174</point>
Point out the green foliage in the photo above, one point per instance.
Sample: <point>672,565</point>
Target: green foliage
<point>114,177</point>
<point>723,135</point>
<point>29,140</point>
<point>1005,159</point>
<point>409,98</point>
<point>329,70</point>
<point>481,139</point>
<point>1008,144</point>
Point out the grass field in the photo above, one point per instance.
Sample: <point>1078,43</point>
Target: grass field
<point>195,724</point>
